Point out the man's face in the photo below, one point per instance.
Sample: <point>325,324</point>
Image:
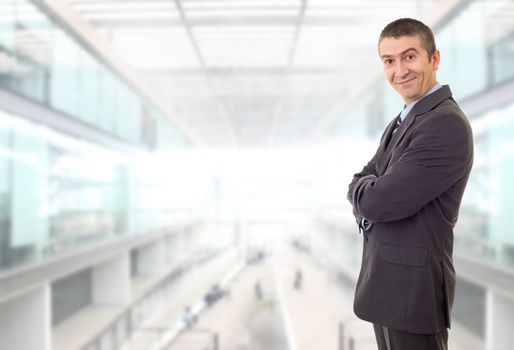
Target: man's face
<point>407,66</point>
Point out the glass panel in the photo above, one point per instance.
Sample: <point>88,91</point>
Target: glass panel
<point>89,88</point>
<point>166,134</point>
<point>84,181</point>
<point>147,127</point>
<point>7,28</point>
<point>486,216</point>
<point>129,115</point>
<point>33,48</point>
<point>40,60</point>
<point>64,81</point>
<point>500,155</point>
<point>29,188</point>
<point>123,117</point>
<point>462,53</point>
<point>7,20</point>
<point>477,47</point>
<point>108,106</point>
<point>5,192</point>
<point>56,192</point>
<point>502,57</point>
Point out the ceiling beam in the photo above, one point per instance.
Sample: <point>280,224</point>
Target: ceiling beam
<point>225,21</point>
<point>292,51</point>
<point>246,71</point>
<point>221,107</point>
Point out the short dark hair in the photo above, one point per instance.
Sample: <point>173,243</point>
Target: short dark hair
<point>410,27</point>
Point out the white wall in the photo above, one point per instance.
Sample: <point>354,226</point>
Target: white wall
<point>25,321</point>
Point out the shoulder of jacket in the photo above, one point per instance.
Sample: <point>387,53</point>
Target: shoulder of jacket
<point>447,107</point>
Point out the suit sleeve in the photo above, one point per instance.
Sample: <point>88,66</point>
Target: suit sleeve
<point>369,171</point>
<point>438,155</point>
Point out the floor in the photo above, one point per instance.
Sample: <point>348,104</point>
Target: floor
<point>281,316</point>
<point>263,309</point>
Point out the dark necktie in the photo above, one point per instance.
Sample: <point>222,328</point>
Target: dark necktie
<point>398,123</point>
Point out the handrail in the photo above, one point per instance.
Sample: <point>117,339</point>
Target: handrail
<point>171,335</point>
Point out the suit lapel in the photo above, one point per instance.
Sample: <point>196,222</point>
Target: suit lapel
<point>388,133</point>
<point>391,141</point>
<point>423,106</point>
<point>383,153</point>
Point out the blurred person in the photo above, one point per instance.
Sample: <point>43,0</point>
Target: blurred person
<point>298,279</point>
<point>188,318</point>
<point>406,199</point>
<point>214,294</point>
<point>257,290</point>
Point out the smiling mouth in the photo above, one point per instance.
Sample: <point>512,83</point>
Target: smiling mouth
<point>405,81</point>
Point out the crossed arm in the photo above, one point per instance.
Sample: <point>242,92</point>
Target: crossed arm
<point>368,173</point>
<point>439,153</point>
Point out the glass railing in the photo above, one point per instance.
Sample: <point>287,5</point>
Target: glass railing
<point>42,61</point>
<point>502,59</point>
<point>59,193</point>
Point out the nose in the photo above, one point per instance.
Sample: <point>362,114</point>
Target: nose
<point>401,69</point>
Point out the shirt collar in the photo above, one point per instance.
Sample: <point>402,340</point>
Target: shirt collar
<point>408,108</point>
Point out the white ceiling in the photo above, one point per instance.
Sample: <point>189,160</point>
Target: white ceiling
<point>250,73</point>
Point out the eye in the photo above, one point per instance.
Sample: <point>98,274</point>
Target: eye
<point>388,61</point>
<point>409,57</point>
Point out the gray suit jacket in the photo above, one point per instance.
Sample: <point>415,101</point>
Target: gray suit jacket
<point>411,190</point>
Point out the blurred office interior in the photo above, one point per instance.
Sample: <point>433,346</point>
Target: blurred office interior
<point>153,151</point>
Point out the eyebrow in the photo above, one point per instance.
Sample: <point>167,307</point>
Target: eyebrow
<point>401,53</point>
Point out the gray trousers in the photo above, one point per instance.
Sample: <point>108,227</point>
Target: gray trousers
<point>390,339</point>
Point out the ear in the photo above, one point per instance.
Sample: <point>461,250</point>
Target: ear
<point>436,58</point>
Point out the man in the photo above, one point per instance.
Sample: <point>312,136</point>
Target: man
<point>406,199</point>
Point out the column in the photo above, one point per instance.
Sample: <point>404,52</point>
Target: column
<point>25,321</point>
<point>499,321</point>
<point>111,281</point>
<point>152,258</point>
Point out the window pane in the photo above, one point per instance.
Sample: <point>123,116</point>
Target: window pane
<point>64,81</point>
